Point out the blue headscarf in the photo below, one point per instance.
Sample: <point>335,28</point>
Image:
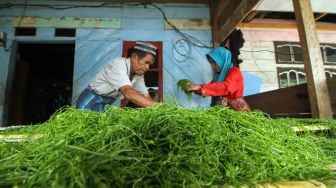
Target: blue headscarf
<point>222,57</point>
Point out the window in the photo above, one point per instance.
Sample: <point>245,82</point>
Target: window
<point>153,78</point>
<point>291,77</point>
<point>330,73</point>
<point>25,31</point>
<point>290,65</point>
<point>288,53</point>
<point>329,53</point>
<point>295,76</point>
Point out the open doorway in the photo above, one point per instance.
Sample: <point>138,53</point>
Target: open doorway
<point>42,82</point>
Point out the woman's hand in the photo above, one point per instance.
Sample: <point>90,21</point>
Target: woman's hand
<point>193,87</point>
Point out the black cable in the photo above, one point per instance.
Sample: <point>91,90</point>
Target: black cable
<point>189,38</point>
<point>187,55</point>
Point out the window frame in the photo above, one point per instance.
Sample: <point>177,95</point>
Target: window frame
<point>281,70</point>
<point>290,44</point>
<point>293,62</point>
<point>324,53</point>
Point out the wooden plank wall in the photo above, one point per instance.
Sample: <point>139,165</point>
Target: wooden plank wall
<point>5,67</point>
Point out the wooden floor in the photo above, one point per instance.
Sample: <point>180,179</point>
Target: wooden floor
<point>289,184</point>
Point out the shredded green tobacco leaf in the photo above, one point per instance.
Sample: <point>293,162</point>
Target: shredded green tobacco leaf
<point>164,146</point>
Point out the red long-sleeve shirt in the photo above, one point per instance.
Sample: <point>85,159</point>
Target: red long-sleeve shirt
<point>231,87</point>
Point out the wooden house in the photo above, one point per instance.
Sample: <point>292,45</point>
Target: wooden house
<point>50,50</point>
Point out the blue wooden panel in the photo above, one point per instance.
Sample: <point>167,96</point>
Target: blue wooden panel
<point>198,5</point>
<point>3,77</point>
<point>98,34</point>
<point>6,26</point>
<point>195,68</point>
<point>94,48</point>
<point>252,84</point>
<point>143,24</point>
<point>139,11</point>
<point>144,35</point>
<point>9,31</point>
<point>6,72</point>
<point>90,57</point>
<point>4,65</point>
<point>45,33</point>
<point>92,52</point>
<point>204,36</point>
<point>6,21</point>
<point>190,11</point>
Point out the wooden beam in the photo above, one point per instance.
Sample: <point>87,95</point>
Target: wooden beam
<point>296,105</point>
<point>283,24</point>
<point>220,5</point>
<point>319,16</point>
<point>316,79</point>
<point>224,17</point>
<point>293,184</point>
<point>312,128</point>
<point>264,14</point>
<point>216,8</point>
<point>66,22</point>
<point>213,21</point>
<point>19,137</point>
<point>231,16</point>
<point>189,24</point>
<point>250,16</point>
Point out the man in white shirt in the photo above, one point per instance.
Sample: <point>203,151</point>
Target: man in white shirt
<point>121,78</point>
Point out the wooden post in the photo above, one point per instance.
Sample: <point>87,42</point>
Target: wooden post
<point>316,80</point>
<point>214,18</point>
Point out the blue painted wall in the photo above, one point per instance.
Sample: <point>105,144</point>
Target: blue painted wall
<point>96,47</point>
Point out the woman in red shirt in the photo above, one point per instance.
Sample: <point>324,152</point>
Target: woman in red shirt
<point>228,83</point>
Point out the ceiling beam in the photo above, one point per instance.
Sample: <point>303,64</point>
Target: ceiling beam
<point>213,21</point>
<point>319,16</point>
<point>228,14</point>
<point>220,5</point>
<point>283,24</point>
<point>319,98</point>
<point>250,16</point>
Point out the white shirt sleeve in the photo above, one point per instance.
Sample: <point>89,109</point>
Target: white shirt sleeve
<point>113,76</point>
<point>139,85</point>
<point>117,75</point>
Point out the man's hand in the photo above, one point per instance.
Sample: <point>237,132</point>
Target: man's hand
<point>141,100</point>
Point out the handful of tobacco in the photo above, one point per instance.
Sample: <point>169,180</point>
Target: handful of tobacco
<point>183,85</point>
